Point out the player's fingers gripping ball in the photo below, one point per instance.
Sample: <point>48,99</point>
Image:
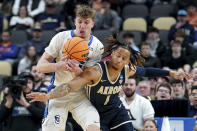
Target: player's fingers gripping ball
<point>76,48</point>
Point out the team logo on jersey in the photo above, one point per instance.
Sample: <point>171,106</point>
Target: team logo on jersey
<point>103,80</point>
<point>91,49</point>
<point>57,119</point>
<point>121,79</point>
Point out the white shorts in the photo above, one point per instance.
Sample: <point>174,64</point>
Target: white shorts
<point>81,108</point>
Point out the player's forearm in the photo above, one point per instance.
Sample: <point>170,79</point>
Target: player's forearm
<point>45,67</point>
<point>59,91</point>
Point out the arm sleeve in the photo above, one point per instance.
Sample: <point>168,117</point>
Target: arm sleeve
<point>13,21</point>
<point>11,54</point>
<point>151,72</point>
<point>148,110</point>
<point>15,7</point>
<point>40,9</point>
<point>37,109</point>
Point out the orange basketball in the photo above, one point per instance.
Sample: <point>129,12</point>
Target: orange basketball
<point>76,48</point>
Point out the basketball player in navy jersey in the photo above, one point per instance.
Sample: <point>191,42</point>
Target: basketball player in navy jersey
<point>104,81</point>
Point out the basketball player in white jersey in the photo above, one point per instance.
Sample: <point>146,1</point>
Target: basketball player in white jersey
<point>56,111</point>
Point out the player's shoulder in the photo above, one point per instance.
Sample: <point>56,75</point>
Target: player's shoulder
<point>65,34</point>
<point>97,41</point>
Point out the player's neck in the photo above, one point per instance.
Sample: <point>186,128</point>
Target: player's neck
<point>113,73</point>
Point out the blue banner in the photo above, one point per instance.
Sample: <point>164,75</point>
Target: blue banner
<point>178,123</point>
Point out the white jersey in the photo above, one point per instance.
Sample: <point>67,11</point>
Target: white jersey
<point>140,109</point>
<point>55,50</point>
<point>76,102</point>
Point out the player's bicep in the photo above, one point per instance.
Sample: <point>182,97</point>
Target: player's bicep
<point>45,57</point>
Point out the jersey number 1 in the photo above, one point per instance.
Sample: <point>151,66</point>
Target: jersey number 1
<point>107,100</point>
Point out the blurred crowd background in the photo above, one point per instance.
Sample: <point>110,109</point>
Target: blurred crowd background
<point>164,31</point>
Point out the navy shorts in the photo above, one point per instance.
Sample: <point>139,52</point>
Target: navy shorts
<point>116,119</point>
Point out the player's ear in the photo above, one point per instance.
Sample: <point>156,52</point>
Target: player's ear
<point>93,24</point>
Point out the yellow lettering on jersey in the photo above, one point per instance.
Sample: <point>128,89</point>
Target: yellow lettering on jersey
<point>100,91</point>
<point>110,90</point>
<point>115,90</point>
<point>106,90</point>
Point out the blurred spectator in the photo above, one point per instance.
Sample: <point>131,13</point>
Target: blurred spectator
<point>29,59</point>
<point>192,15</point>
<point>178,89</point>
<point>164,2</point>
<point>150,61</point>
<point>3,22</point>
<point>187,48</point>
<point>187,68</point>
<point>47,80</point>
<point>144,89</point>
<point>68,11</point>
<point>183,25</point>
<point>194,73</point>
<point>181,4</point>
<point>150,125</point>
<point>36,41</point>
<point>49,20</point>
<point>163,91</point>
<point>129,39</point>
<point>96,5</point>
<point>107,19</point>
<point>157,47</point>
<point>164,79</point>
<point>195,127</point>
<point>153,83</point>
<point>175,58</point>
<point>6,7</point>
<point>38,78</point>
<point>139,108</point>
<point>22,21</point>
<point>192,107</point>
<point>34,7</point>
<point>135,1</point>
<point>8,50</point>
<point>17,114</point>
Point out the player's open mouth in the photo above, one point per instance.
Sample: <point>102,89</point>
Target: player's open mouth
<point>82,32</point>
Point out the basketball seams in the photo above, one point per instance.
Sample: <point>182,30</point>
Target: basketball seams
<point>75,45</point>
<point>76,48</point>
<point>79,51</point>
<point>68,45</point>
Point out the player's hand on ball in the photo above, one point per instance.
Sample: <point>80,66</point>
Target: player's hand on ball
<point>62,65</point>
<point>37,97</point>
<point>74,65</point>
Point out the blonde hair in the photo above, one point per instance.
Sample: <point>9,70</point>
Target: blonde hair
<point>85,11</point>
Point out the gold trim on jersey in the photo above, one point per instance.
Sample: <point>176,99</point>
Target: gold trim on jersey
<point>88,88</point>
<point>108,75</point>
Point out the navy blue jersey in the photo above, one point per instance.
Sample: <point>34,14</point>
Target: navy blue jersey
<point>104,94</point>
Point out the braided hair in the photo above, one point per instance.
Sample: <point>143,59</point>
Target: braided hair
<point>136,59</point>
